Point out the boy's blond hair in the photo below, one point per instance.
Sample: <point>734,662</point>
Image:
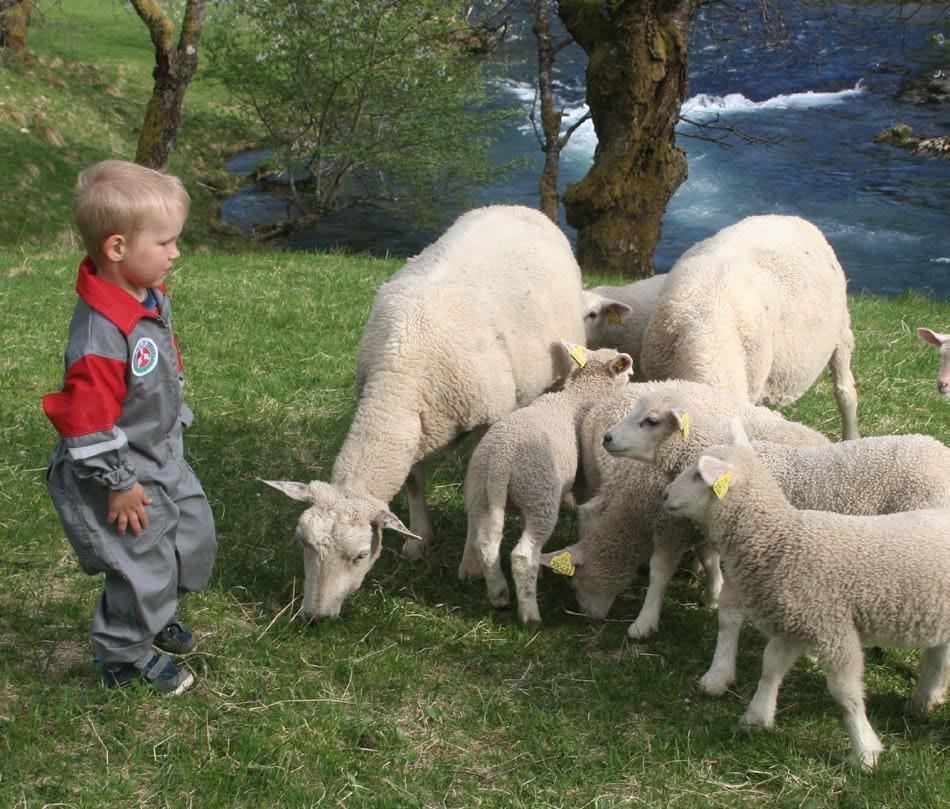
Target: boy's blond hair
<point>116,196</point>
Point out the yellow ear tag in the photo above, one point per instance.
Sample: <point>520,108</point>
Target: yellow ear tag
<point>721,486</point>
<point>684,425</point>
<point>577,354</point>
<point>562,564</point>
<point>613,319</point>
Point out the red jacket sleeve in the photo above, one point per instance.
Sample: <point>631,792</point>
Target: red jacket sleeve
<point>91,399</point>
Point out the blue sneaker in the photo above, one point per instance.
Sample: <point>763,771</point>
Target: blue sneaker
<point>175,639</point>
<point>158,673</point>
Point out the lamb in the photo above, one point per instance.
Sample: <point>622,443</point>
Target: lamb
<point>757,310</point>
<point>942,341</point>
<point>622,525</point>
<point>529,460</point>
<point>462,334</point>
<point>866,476</point>
<point>824,584</point>
<point>616,317</point>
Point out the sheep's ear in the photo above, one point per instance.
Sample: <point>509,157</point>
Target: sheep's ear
<point>717,474</point>
<point>933,337</point>
<point>622,365</point>
<point>575,353</point>
<point>564,561</point>
<point>738,434</point>
<point>682,421</point>
<point>386,519</point>
<point>615,311</point>
<point>293,489</point>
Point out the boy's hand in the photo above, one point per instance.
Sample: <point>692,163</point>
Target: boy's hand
<point>127,509</point>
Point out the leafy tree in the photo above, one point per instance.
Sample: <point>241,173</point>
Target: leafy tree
<point>361,100</point>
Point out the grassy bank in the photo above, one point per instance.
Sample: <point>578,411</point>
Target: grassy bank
<point>421,694</point>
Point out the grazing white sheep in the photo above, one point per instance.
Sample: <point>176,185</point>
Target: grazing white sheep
<point>617,317</point>
<point>528,460</point>
<point>821,583</point>
<point>757,310</point>
<point>462,334</point>
<point>878,475</point>
<point>942,341</point>
<point>622,526</point>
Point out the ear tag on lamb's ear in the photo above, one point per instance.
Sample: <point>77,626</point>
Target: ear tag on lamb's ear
<point>577,354</point>
<point>682,419</point>
<point>721,484</point>
<point>562,564</point>
<point>613,319</point>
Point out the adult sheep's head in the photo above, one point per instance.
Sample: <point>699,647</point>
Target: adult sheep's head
<point>942,341</point>
<point>342,536</point>
<point>600,312</point>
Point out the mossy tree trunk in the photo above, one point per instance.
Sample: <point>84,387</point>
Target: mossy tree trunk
<point>174,67</point>
<point>636,83</point>
<point>14,23</point>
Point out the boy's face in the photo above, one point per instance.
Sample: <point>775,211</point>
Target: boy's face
<point>147,258</point>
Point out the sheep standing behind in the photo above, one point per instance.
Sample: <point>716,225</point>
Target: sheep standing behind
<point>528,460</point>
<point>462,334</point>
<point>757,310</point>
<point>942,341</point>
<point>617,317</point>
<point>867,476</point>
<point>623,526</point>
<point>823,583</point>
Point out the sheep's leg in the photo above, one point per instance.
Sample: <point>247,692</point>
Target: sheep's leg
<point>663,564</point>
<point>525,561</point>
<point>845,392</point>
<point>779,656</point>
<point>722,670</point>
<point>419,522</point>
<point>488,546</point>
<point>710,562</point>
<point>934,676</point>
<point>844,684</point>
<point>470,567</point>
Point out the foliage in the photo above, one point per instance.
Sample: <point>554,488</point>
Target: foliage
<point>422,695</point>
<point>371,100</point>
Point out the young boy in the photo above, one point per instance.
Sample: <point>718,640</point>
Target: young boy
<point>129,503</point>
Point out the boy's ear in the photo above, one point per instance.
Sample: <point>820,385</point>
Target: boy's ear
<point>113,247</point>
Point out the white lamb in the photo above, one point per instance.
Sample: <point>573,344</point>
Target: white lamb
<point>617,317</point>
<point>623,526</point>
<point>757,310</point>
<point>942,341</point>
<point>462,334</point>
<point>821,583</point>
<point>866,476</point>
<point>528,460</point>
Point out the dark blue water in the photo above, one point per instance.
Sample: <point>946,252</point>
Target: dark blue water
<point>822,95</point>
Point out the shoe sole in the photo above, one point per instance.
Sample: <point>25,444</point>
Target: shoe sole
<point>187,683</point>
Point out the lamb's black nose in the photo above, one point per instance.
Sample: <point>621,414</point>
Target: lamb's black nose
<point>608,439</point>
<point>666,496</point>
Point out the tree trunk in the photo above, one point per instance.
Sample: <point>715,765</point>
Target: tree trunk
<point>174,68</point>
<point>14,23</point>
<point>636,83</point>
<point>550,118</point>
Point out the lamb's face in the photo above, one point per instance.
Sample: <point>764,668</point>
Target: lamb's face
<point>638,434</point>
<point>596,581</point>
<point>341,534</point>
<point>696,490</point>
<point>942,341</point>
<point>599,313</point>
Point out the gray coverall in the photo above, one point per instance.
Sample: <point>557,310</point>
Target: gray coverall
<point>120,419</point>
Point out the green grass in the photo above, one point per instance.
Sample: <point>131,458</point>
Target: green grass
<point>421,695</point>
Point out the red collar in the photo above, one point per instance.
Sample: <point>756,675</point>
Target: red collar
<point>114,303</point>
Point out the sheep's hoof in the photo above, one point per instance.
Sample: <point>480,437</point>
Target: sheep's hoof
<point>530,619</point>
<point>714,685</point>
<point>638,631</point>
<point>924,703</point>
<point>414,550</point>
<point>466,573</point>
<point>866,759</point>
<point>499,599</point>
<point>753,719</point>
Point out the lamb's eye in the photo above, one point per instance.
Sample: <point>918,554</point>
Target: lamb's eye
<point>360,556</point>
<point>650,421</point>
<point>591,315</point>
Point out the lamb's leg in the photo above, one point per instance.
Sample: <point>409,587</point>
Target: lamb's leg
<point>722,670</point>
<point>470,567</point>
<point>663,564</point>
<point>525,559</point>
<point>844,684</point>
<point>845,392</point>
<point>488,545</point>
<point>419,522</point>
<point>934,675</point>
<point>780,655</point>
<point>710,562</point>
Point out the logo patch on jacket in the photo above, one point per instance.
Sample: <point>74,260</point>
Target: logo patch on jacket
<point>144,356</point>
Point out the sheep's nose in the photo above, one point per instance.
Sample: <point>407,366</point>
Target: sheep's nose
<point>942,387</point>
<point>608,439</point>
<point>666,496</point>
